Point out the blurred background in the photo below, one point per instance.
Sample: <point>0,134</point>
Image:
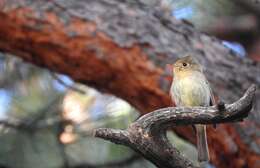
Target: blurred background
<point>46,119</point>
<point>47,122</point>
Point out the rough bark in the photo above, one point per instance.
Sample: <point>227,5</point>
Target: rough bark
<point>122,47</point>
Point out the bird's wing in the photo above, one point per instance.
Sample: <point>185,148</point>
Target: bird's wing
<point>212,99</point>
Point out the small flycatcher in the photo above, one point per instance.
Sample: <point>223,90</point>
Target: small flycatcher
<point>191,88</point>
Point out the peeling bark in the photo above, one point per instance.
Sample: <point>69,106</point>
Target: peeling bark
<point>122,47</point>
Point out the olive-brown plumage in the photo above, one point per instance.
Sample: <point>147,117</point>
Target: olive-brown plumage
<point>191,88</point>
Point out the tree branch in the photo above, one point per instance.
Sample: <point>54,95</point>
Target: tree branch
<point>147,135</point>
<point>114,135</point>
<point>124,52</point>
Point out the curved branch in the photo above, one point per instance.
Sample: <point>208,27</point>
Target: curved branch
<point>124,52</point>
<point>199,115</point>
<point>147,135</point>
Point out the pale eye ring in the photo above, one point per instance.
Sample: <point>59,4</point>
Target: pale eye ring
<point>184,64</point>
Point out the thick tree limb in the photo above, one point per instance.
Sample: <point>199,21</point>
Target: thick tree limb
<point>124,52</point>
<point>147,135</point>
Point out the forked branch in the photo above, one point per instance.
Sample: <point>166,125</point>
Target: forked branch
<point>147,135</point>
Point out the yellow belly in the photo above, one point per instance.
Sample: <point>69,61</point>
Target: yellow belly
<point>191,91</point>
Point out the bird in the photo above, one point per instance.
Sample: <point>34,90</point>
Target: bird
<point>191,88</point>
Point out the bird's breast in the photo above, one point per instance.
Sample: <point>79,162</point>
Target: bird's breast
<point>191,91</point>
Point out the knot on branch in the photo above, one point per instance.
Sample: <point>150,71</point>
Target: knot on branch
<point>147,135</point>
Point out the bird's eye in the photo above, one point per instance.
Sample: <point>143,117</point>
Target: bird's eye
<point>184,64</point>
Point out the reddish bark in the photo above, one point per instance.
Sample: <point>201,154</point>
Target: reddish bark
<point>129,62</point>
<point>89,57</point>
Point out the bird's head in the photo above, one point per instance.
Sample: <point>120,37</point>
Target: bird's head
<point>186,65</point>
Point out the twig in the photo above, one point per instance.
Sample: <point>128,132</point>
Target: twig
<point>147,135</point>
<point>76,89</point>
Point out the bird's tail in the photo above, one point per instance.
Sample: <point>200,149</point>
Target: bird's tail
<point>202,145</point>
